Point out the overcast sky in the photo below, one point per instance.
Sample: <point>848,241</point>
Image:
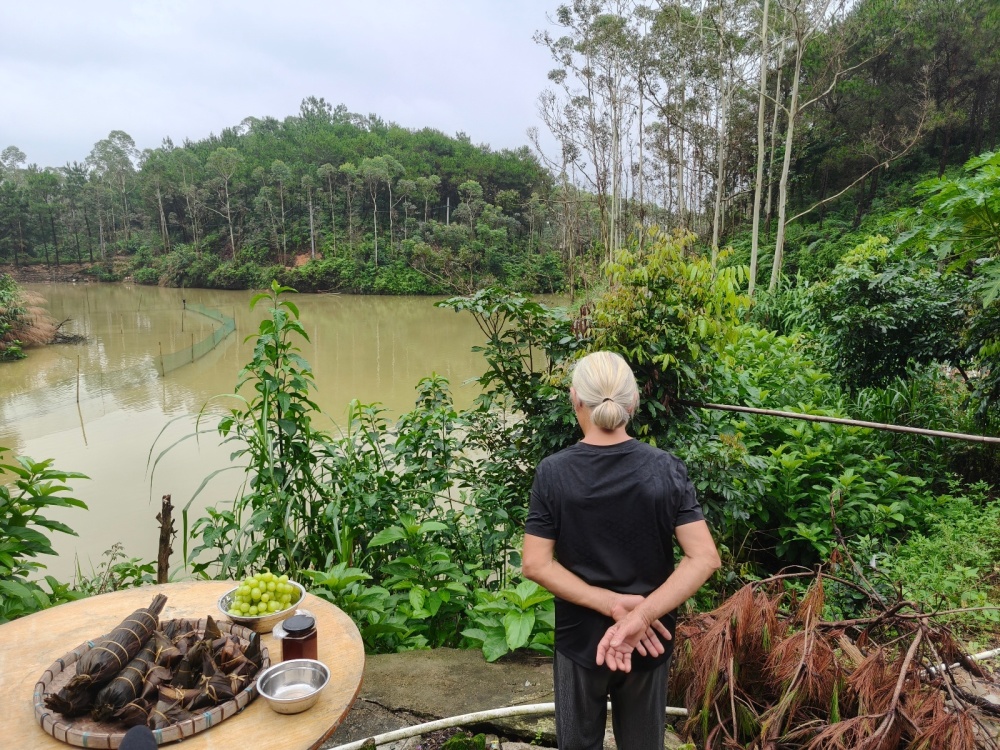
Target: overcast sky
<point>73,71</point>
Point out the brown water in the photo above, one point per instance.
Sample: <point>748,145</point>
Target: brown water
<point>369,348</point>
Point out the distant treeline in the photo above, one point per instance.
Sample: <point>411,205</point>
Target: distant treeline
<point>419,210</point>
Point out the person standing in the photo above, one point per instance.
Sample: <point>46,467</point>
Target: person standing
<point>599,535</point>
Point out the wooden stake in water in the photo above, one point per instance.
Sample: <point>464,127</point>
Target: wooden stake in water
<point>192,347</point>
<point>78,378</point>
<point>163,372</point>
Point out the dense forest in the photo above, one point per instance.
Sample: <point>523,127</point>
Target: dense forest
<point>777,127</point>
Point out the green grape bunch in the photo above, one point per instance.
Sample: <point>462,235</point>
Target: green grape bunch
<point>262,594</point>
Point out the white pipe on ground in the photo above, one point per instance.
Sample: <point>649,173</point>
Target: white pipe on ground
<point>534,709</point>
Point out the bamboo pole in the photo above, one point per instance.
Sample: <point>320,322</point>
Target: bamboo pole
<point>78,378</point>
<point>847,422</point>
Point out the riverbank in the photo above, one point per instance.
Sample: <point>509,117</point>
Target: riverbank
<point>39,273</point>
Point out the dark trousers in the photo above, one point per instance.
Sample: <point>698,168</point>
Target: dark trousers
<point>638,706</point>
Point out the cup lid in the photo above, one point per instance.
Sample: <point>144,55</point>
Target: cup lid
<point>298,624</point>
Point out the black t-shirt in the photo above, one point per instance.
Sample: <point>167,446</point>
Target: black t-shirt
<point>611,511</point>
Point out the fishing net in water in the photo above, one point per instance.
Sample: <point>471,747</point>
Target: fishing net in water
<point>72,388</point>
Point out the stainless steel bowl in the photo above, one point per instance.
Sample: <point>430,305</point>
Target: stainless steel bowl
<point>293,686</point>
<point>260,623</point>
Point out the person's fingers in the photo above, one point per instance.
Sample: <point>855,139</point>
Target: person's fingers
<point>642,648</point>
<point>653,644</point>
<point>661,629</point>
<point>625,662</point>
<point>611,661</point>
<point>604,648</point>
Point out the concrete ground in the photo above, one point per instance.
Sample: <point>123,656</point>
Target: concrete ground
<point>419,686</point>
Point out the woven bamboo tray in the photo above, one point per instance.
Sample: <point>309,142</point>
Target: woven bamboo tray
<point>82,731</point>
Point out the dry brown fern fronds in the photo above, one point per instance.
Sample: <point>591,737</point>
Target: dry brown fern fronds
<point>940,728</point>
<point>866,683</point>
<point>873,682</point>
<point>859,733</point>
<point>810,609</point>
<point>806,660</point>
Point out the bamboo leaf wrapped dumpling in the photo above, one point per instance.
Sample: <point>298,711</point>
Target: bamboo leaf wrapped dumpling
<point>112,652</point>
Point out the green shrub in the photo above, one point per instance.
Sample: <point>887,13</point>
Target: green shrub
<point>146,275</point>
<point>36,488</point>
<point>880,313</point>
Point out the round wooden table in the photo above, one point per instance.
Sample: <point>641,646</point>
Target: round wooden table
<point>29,645</point>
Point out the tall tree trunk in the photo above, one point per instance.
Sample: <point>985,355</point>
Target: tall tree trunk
<point>312,232</point>
<point>284,233</point>
<point>774,138</point>
<point>720,173</point>
<point>375,222</point>
<point>229,220</point>
<point>333,215</point>
<point>392,210</point>
<point>681,159</point>
<point>779,243</point>
<point>20,243</point>
<point>76,239</point>
<point>164,233</point>
<point>90,236</point>
<point>100,234</point>
<point>759,181</point>
<point>642,196</point>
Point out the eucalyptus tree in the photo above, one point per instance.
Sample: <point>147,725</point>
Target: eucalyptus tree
<point>281,177</point>
<point>427,189</point>
<point>327,174</point>
<point>764,58</point>
<point>394,170</point>
<point>155,172</point>
<point>188,168</point>
<point>834,34</point>
<point>112,161</point>
<point>352,178</point>
<point>373,172</point>
<point>471,194</point>
<point>376,172</point>
<point>12,161</point>
<point>731,24</point>
<point>406,189</point>
<point>806,18</point>
<point>308,185</point>
<point>224,162</point>
<point>591,116</point>
<point>264,206</point>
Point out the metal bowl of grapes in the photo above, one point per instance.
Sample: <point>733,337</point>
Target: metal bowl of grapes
<point>261,601</point>
<point>291,687</point>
